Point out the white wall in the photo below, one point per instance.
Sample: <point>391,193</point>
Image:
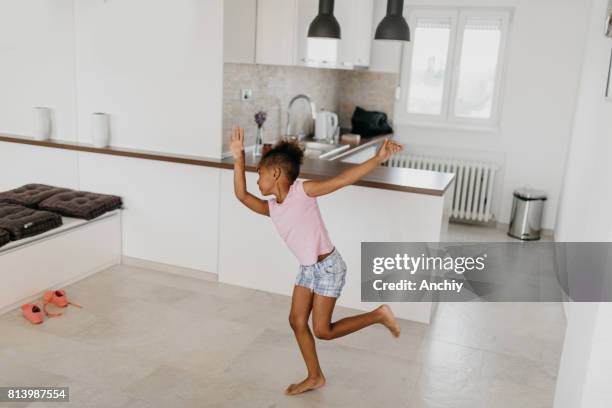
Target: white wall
<point>584,212</point>
<point>171,210</point>
<point>23,164</point>
<point>37,65</point>
<point>543,62</point>
<point>584,215</point>
<point>157,68</point>
<point>581,319</point>
<point>596,392</point>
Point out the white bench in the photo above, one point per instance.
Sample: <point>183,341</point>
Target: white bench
<point>58,258</point>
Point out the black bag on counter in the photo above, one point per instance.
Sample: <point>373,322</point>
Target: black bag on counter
<point>370,123</point>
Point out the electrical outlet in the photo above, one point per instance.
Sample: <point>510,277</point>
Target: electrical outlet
<point>246,94</point>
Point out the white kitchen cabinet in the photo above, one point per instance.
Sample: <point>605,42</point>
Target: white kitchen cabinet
<point>281,34</point>
<point>276,38</point>
<point>385,55</point>
<point>240,17</point>
<point>306,12</point>
<point>313,52</point>
<point>355,18</point>
<point>353,50</point>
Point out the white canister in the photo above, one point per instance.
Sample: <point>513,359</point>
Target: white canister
<point>100,130</point>
<point>42,123</point>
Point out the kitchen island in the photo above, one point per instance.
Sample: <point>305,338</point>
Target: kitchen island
<point>388,205</point>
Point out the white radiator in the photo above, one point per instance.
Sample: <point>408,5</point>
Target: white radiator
<point>474,183</point>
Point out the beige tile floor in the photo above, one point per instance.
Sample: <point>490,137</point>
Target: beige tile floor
<point>473,233</point>
<point>151,339</point>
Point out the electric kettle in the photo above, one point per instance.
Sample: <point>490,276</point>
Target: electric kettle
<point>326,126</point>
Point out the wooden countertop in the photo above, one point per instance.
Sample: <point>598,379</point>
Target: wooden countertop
<point>398,179</point>
<point>388,178</point>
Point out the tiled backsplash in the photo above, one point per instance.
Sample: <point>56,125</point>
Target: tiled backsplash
<point>274,86</point>
<point>369,90</point>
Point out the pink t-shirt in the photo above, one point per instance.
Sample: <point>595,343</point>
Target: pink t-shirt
<point>298,221</point>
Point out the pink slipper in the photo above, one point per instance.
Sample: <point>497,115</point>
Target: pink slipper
<point>57,298</point>
<point>32,313</point>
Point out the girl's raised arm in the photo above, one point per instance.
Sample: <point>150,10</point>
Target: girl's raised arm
<point>317,188</point>
<point>246,198</point>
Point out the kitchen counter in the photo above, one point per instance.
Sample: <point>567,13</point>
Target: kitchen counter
<point>397,179</point>
<point>388,205</point>
<point>388,178</point>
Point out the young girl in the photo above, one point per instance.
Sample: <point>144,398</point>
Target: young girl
<point>295,214</point>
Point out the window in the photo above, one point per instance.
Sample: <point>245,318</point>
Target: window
<point>452,70</point>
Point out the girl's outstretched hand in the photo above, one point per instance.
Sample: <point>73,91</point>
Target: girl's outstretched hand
<point>388,148</point>
<point>237,142</point>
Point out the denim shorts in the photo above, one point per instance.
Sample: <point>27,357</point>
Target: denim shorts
<point>325,278</point>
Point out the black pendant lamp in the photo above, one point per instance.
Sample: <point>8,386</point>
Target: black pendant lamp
<point>394,25</point>
<point>325,24</point>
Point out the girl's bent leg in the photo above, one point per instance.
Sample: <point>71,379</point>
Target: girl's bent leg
<point>323,309</point>
<point>301,306</point>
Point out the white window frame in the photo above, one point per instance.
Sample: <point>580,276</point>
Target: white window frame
<point>447,119</point>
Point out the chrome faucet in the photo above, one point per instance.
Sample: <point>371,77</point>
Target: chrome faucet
<point>313,112</point>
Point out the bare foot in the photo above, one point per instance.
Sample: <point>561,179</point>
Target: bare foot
<point>388,319</point>
<point>310,383</point>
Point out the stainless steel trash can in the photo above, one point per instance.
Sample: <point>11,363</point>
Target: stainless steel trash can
<point>526,218</point>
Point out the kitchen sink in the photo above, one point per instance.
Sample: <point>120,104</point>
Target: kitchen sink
<point>325,151</point>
